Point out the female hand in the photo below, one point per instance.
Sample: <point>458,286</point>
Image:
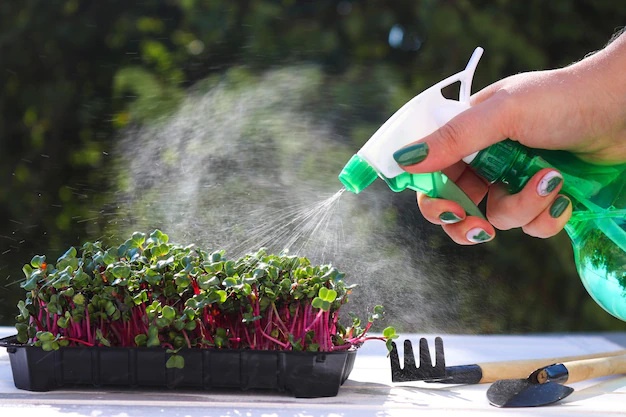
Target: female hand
<point>580,109</point>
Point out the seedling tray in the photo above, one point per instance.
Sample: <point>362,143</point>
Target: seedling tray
<point>304,374</point>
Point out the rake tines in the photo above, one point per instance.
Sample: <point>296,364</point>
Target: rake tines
<point>426,370</point>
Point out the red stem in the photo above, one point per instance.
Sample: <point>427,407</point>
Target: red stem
<point>310,326</point>
<point>71,339</point>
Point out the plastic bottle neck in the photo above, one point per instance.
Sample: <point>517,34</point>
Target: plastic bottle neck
<point>507,162</point>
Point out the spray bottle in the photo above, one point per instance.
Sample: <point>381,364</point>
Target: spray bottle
<point>597,227</point>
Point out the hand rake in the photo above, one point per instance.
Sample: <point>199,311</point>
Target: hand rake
<point>467,374</point>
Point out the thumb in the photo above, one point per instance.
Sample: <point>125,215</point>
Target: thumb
<point>470,131</point>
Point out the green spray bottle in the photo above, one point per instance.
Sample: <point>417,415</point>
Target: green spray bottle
<point>597,227</point>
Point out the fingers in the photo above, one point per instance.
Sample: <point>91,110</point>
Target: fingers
<point>470,231</point>
<point>538,209</point>
<point>507,211</point>
<point>440,211</point>
<point>468,181</point>
<point>464,230</point>
<point>470,131</point>
<point>551,220</point>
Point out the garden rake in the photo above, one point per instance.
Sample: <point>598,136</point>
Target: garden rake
<point>467,374</point>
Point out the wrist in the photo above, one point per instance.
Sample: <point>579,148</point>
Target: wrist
<point>606,67</point>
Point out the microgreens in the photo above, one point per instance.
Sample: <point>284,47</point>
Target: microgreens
<point>149,292</point>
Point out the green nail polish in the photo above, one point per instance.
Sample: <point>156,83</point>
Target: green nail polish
<point>553,183</point>
<point>558,207</point>
<point>411,155</point>
<point>449,217</point>
<point>478,235</point>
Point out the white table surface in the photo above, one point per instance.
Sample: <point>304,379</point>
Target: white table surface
<point>368,392</point>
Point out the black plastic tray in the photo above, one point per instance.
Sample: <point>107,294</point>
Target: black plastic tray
<point>304,374</point>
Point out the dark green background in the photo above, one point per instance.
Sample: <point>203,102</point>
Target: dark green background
<point>76,74</point>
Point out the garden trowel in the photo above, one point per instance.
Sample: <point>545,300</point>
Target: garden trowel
<point>545,385</point>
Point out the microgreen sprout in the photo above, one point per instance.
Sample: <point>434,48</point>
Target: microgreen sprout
<point>148,292</point>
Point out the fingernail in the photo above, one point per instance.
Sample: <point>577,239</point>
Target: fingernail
<point>477,235</point>
<point>448,217</point>
<point>558,207</point>
<point>411,155</point>
<point>548,183</point>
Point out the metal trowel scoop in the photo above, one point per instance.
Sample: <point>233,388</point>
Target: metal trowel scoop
<point>545,385</point>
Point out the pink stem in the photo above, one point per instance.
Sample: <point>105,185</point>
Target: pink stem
<point>310,326</point>
<point>71,339</point>
<point>187,339</point>
<point>278,342</point>
<point>293,320</point>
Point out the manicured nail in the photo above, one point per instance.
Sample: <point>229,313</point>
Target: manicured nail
<point>558,207</point>
<point>448,217</point>
<point>411,155</point>
<point>477,235</point>
<point>548,183</point>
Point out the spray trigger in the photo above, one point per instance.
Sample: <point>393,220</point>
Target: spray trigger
<point>418,118</point>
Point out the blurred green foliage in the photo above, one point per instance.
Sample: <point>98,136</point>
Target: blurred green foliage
<point>74,73</point>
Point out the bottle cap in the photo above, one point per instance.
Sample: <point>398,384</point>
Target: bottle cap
<point>357,174</point>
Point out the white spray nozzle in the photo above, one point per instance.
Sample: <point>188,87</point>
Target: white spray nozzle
<point>418,118</point>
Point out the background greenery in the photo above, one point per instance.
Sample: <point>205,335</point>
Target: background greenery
<point>81,79</point>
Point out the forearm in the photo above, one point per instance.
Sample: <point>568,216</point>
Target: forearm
<point>607,67</point>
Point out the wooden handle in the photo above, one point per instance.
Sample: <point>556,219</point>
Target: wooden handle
<point>595,368</point>
<point>494,371</point>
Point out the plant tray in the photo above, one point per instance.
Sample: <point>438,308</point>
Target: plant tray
<point>304,374</point>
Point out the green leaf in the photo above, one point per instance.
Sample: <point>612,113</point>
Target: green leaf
<point>79,299</point>
<point>153,337</point>
<point>285,284</point>
<point>80,279</point>
<point>229,268</point>
<point>222,295</point>
<point>68,293</point>
<point>141,339</point>
<point>110,256</point>
<point>100,338</point>
<point>45,336</point>
<point>229,282</point>
<point>110,308</point>
<point>138,238</point>
<point>62,322</point>
<point>169,312</point>
<point>22,332</point>
<point>313,347</point>
<point>192,302</point>
<point>38,261</point>
<point>323,293</point>
<point>21,305</point>
<point>175,361</point>
<point>273,272</point>
<point>379,312</point>
<point>390,333</point>
<point>162,322</point>
<point>28,270</point>
<point>50,346</point>
<point>207,281</point>
<point>121,271</point>
<point>317,302</point>
<point>71,253</point>
<point>389,345</point>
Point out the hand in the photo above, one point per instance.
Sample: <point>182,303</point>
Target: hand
<point>580,109</point>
